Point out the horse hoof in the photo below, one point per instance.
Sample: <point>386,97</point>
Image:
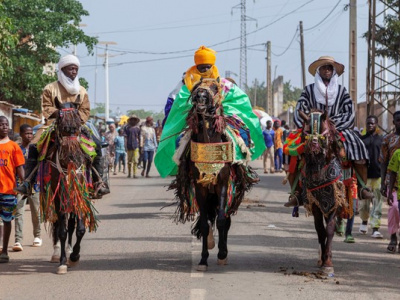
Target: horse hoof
<point>210,239</point>
<point>222,262</point>
<point>328,271</point>
<point>71,263</point>
<point>319,263</point>
<point>202,268</point>
<point>55,259</point>
<point>63,269</point>
<point>69,250</point>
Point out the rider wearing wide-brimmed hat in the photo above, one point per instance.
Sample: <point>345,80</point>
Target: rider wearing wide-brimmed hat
<point>66,89</point>
<point>327,91</point>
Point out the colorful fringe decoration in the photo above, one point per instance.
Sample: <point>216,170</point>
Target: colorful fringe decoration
<point>351,190</point>
<point>293,145</point>
<point>44,142</point>
<point>72,191</point>
<point>240,129</point>
<point>88,146</point>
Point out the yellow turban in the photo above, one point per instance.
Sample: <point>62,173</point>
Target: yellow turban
<point>204,56</point>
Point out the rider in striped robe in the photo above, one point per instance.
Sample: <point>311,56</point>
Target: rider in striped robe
<point>326,91</point>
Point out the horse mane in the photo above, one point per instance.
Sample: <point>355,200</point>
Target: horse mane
<point>216,110</point>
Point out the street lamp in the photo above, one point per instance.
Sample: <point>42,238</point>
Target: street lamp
<point>107,104</point>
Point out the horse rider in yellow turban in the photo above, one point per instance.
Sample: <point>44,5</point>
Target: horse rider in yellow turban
<point>204,59</point>
<point>236,104</point>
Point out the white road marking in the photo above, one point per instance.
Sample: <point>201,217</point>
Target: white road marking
<point>197,294</point>
<point>195,258</point>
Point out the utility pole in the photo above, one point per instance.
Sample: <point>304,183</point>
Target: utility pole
<point>269,81</point>
<point>107,102</point>
<point>107,106</point>
<point>303,67</point>
<point>353,55</point>
<point>95,79</point>
<point>243,42</point>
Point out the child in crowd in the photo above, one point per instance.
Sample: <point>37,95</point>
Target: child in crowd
<point>26,133</point>
<point>11,163</point>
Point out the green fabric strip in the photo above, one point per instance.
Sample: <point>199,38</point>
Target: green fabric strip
<point>235,102</point>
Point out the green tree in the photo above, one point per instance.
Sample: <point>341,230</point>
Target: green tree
<point>257,93</point>
<point>388,36</point>
<point>99,109</point>
<point>8,41</point>
<point>142,114</point>
<point>290,95</point>
<point>41,26</point>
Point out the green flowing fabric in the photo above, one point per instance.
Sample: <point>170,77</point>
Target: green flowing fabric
<point>235,102</point>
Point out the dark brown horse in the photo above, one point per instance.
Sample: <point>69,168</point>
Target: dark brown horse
<point>322,189</point>
<point>207,175</point>
<point>65,180</point>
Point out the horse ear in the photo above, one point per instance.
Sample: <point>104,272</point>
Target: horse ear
<point>324,116</point>
<point>78,99</point>
<point>57,103</point>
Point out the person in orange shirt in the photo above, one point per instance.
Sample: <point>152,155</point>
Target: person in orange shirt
<point>11,163</point>
<point>278,144</point>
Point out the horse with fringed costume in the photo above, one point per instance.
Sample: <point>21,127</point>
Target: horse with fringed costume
<point>211,182</point>
<point>66,153</point>
<point>326,180</point>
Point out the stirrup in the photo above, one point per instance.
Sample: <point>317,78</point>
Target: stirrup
<point>293,201</point>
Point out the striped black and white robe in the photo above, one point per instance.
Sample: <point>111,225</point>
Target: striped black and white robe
<point>341,113</point>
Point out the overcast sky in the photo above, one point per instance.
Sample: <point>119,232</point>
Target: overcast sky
<point>156,41</point>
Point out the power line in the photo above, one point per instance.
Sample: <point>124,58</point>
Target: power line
<point>287,48</point>
<point>165,58</point>
<point>324,18</point>
<point>219,43</point>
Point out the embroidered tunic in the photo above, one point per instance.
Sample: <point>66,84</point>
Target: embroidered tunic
<point>341,113</point>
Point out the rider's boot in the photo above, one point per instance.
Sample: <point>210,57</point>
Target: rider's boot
<point>293,199</point>
<point>364,193</point>
<point>98,179</point>
<point>30,172</point>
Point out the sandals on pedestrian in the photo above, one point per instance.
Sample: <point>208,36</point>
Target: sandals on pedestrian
<point>349,239</point>
<point>37,242</point>
<point>17,247</point>
<point>391,248</point>
<point>4,258</point>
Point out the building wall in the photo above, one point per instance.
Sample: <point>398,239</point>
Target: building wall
<point>6,110</point>
<point>277,96</point>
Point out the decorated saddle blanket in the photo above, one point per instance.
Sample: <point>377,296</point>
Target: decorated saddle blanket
<point>323,187</point>
<point>47,138</point>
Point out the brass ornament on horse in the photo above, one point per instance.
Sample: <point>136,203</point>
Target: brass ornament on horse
<point>209,159</point>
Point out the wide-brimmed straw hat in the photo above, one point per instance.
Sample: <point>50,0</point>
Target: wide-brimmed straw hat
<point>323,61</point>
<point>133,116</point>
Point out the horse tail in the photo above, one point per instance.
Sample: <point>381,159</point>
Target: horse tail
<point>211,202</point>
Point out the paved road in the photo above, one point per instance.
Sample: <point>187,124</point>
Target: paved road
<point>139,253</point>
